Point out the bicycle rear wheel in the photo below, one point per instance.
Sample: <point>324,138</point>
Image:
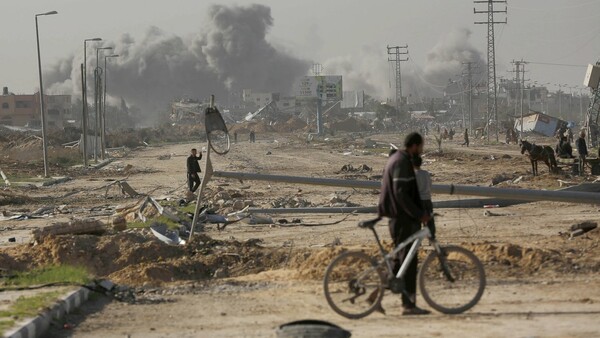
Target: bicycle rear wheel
<point>457,295</point>
<point>353,285</point>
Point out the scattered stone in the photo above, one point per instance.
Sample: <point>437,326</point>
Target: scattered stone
<point>291,202</point>
<point>501,178</point>
<point>506,156</point>
<point>223,195</point>
<point>349,168</point>
<point>221,272</point>
<point>119,223</point>
<point>581,228</point>
<point>238,204</point>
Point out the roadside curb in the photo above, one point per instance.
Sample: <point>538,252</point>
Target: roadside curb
<point>37,326</point>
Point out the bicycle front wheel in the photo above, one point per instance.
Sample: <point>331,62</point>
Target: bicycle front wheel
<point>353,285</point>
<point>453,283</point>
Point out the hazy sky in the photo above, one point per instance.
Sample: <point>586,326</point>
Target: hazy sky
<point>547,31</point>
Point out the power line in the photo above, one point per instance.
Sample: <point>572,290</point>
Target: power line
<point>557,64</point>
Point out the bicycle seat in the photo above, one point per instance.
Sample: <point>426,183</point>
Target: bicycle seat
<point>370,224</point>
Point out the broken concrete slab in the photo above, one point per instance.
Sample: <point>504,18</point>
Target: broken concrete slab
<point>56,180</point>
<point>75,227</point>
<point>160,231</point>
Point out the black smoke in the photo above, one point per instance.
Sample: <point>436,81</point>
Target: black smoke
<point>230,53</point>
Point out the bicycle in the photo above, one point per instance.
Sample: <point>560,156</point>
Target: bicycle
<point>354,282</point>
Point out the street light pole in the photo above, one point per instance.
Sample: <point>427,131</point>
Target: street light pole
<point>42,112</point>
<point>97,101</point>
<point>103,122</point>
<point>560,99</point>
<point>84,98</point>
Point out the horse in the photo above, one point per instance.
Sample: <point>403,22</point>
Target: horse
<point>539,153</point>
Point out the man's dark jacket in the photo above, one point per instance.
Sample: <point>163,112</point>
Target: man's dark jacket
<point>399,197</point>
<point>192,164</point>
<point>581,146</point>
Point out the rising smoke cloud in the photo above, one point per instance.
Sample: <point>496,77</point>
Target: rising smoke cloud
<point>366,70</point>
<point>229,54</point>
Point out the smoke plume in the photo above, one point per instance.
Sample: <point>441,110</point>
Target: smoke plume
<point>366,69</point>
<point>230,53</point>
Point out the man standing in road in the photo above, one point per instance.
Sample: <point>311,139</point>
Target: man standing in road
<point>193,168</point>
<point>399,200</point>
<point>582,150</point>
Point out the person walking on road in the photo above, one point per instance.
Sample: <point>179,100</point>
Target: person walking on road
<point>399,200</point>
<point>582,150</point>
<point>193,168</point>
<point>466,138</point>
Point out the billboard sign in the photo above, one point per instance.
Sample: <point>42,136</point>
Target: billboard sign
<point>327,87</point>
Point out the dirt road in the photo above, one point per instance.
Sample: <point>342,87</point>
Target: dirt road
<point>541,283</point>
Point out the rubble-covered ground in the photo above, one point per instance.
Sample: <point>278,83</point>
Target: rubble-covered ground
<point>244,279</point>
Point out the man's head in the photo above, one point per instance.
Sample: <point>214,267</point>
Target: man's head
<point>582,134</point>
<point>414,143</point>
<point>194,151</point>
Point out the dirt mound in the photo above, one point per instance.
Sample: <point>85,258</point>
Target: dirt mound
<point>530,259</point>
<point>291,125</point>
<point>136,258</point>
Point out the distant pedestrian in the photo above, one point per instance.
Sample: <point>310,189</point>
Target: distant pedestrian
<point>235,137</point>
<point>582,150</point>
<point>193,168</point>
<point>466,137</point>
<point>252,136</point>
<point>569,135</point>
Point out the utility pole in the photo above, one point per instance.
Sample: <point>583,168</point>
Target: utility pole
<point>471,66</point>
<point>520,82</point>
<point>492,104</point>
<point>84,117</point>
<point>395,55</point>
<point>42,109</point>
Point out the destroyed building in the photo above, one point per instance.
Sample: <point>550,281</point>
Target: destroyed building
<point>23,110</point>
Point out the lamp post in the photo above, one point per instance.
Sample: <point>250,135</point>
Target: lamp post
<point>42,112</point>
<point>85,105</point>
<point>583,118</point>
<point>103,122</point>
<point>560,99</point>
<point>97,100</point>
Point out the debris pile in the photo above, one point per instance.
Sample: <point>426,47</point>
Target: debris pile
<point>291,202</point>
<point>349,168</point>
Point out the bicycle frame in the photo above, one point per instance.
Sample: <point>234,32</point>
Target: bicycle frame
<point>416,239</point>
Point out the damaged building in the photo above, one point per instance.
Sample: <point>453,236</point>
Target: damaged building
<point>23,110</point>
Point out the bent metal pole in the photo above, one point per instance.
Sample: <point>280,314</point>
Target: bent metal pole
<point>446,189</point>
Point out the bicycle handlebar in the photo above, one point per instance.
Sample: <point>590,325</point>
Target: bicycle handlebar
<point>370,224</point>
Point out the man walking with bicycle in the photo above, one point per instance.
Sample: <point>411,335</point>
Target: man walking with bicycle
<point>400,201</point>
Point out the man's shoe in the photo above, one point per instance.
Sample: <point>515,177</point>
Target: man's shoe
<point>415,311</point>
